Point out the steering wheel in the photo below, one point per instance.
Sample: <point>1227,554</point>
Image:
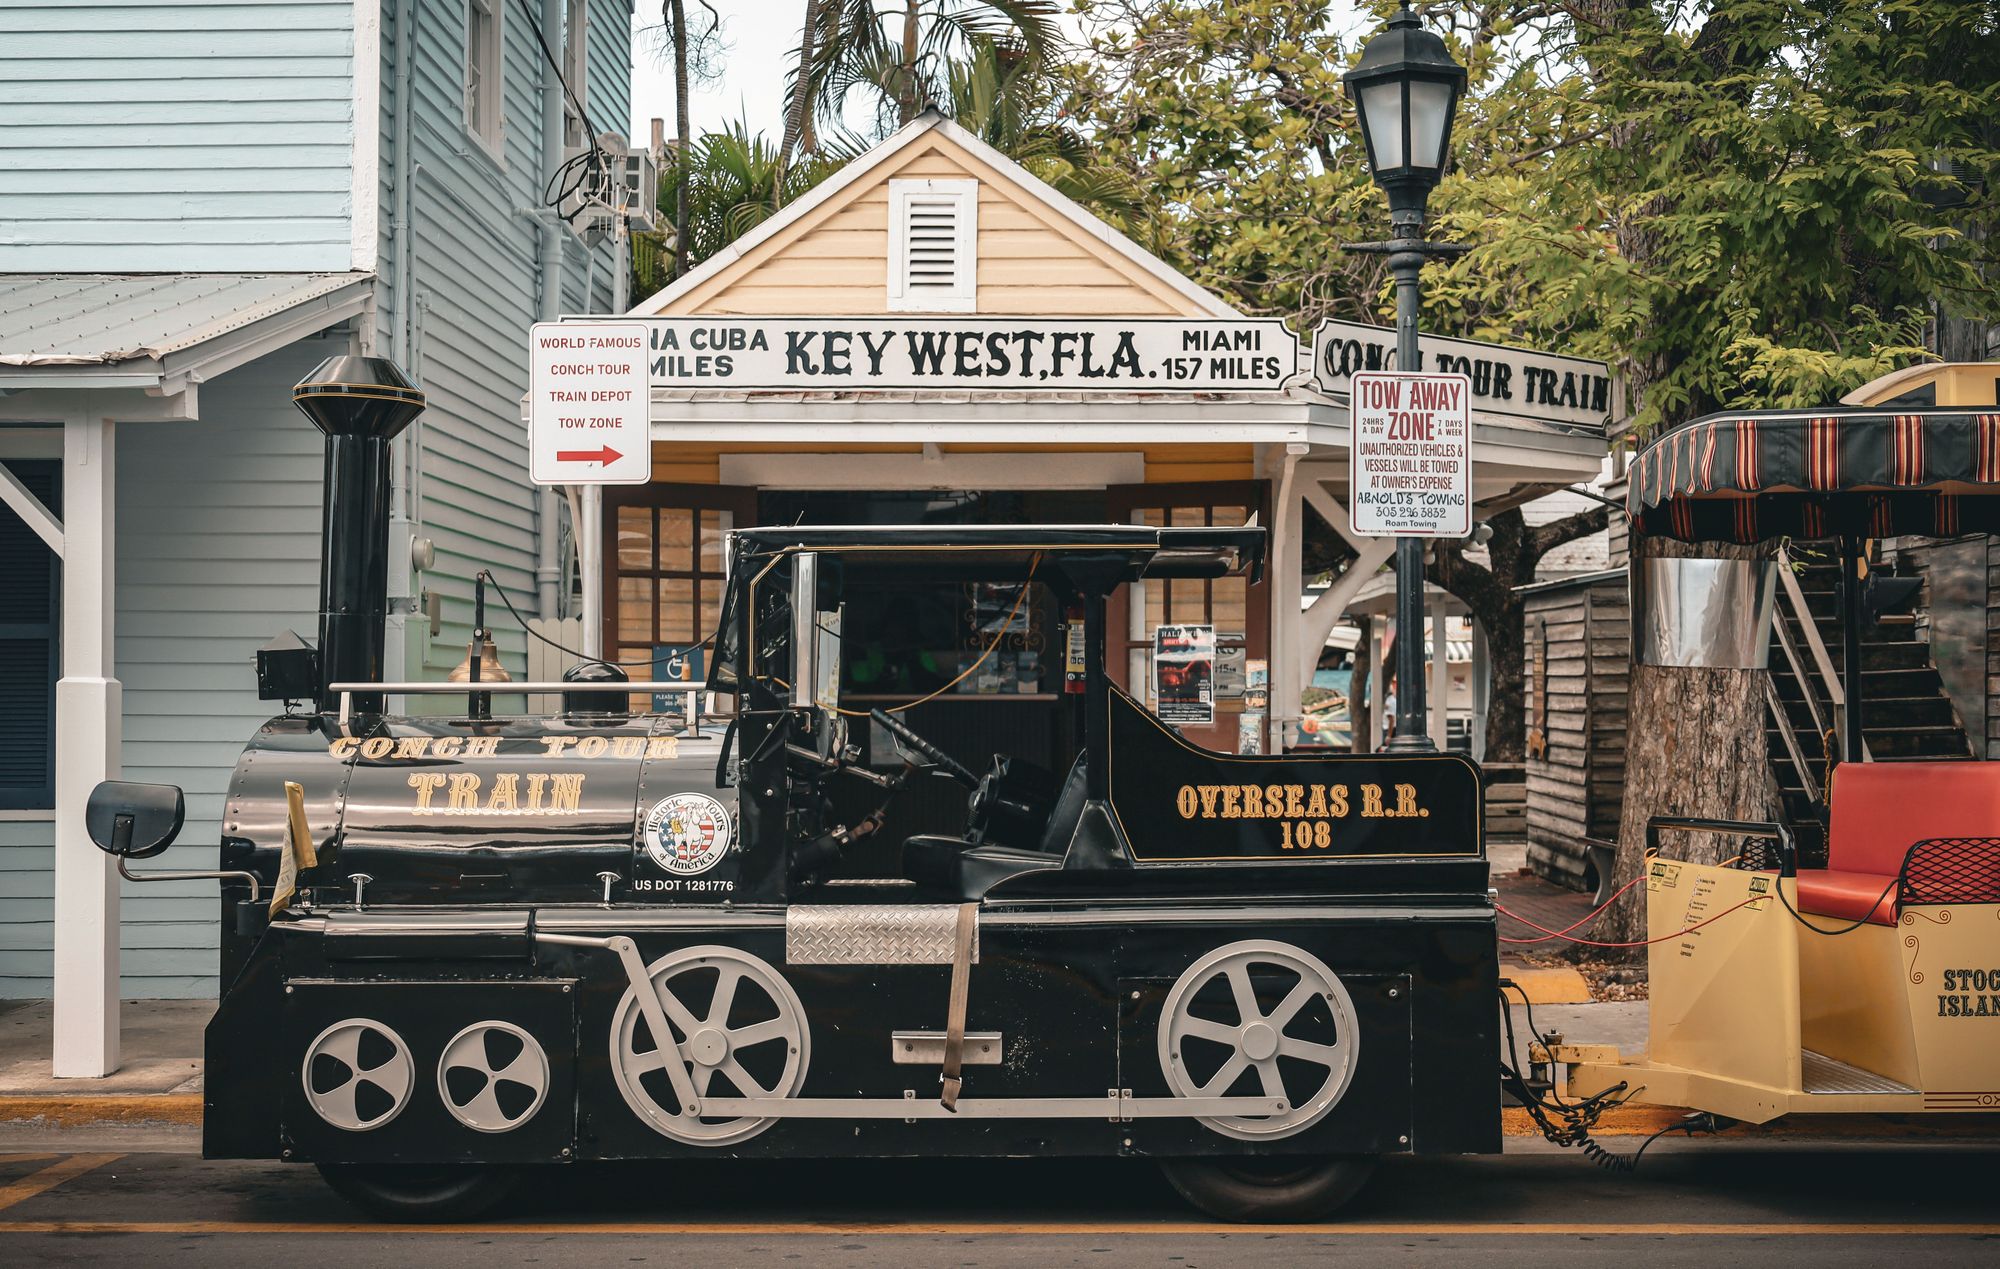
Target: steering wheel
<point>924,748</point>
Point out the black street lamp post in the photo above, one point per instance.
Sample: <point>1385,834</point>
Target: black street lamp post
<point>1406,89</point>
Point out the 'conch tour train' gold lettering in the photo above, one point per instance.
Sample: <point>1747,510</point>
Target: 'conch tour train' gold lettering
<point>627,748</point>
<point>1301,809</point>
<point>511,792</point>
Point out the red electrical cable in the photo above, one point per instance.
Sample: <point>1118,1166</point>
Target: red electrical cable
<point>1556,934</point>
<point>1665,938</point>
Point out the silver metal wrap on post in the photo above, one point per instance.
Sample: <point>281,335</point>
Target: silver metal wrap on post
<point>873,934</point>
<point>1703,614</point>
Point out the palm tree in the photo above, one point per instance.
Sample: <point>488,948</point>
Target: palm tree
<point>732,181</point>
<point>1003,95</point>
<point>847,45</point>
<point>704,64</point>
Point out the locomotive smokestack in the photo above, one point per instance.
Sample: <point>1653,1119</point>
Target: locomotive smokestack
<point>360,404</point>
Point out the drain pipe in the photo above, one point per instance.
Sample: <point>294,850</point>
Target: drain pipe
<point>548,523</point>
<point>406,511</point>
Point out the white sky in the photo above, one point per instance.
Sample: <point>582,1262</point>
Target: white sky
<point>759,36</point>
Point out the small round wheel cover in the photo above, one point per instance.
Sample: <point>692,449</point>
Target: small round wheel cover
<point>493,1077</point>
<point>357,1074</point>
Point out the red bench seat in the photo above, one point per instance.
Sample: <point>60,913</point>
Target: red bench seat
<point>1881,809</point>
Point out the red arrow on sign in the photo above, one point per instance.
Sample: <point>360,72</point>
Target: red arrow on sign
<point>607,455</point>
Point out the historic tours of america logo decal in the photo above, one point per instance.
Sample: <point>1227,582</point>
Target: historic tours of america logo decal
<point>687,833</point>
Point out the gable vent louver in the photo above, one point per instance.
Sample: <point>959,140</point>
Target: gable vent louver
<point>932,242</point>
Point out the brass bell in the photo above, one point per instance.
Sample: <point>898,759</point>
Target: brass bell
<point>490,669</point>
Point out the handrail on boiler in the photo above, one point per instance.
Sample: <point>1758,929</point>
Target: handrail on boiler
<point>347,690</point>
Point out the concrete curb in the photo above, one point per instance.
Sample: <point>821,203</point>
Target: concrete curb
<point>92,1110</point>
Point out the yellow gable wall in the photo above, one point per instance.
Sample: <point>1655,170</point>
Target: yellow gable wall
<point>1031,259</point>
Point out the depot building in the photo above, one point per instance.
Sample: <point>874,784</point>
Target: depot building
<point>935,336</point>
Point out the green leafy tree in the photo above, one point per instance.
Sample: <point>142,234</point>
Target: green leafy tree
<point>1232,112</point>
<point>1734,203</point>
<point>900,54</point>
<point>1003,94</point>
<point>734,182</point>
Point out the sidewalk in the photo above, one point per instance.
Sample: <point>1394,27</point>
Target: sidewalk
<point>156,1092</point>
<point>1547,905</point>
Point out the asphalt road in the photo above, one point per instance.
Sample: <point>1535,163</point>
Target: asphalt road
<point>1700,1205</point>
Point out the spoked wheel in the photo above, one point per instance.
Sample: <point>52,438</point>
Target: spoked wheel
<point>1260,1018</point>
<point>422,1192</point>
<point>1270,1190</point>
<point>740,1032</point>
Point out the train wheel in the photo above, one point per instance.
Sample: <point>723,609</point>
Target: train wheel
<point>1260,1019</point>
<point>420,1193</point>
<point>1269,1190</point>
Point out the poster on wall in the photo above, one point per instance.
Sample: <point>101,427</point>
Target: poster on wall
<point>1184,674</point>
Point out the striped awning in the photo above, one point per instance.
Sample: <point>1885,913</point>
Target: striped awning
<point>1754,476</point>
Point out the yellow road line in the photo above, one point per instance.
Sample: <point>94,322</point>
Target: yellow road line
<point>50,1177</point>
<point>1759,1229</point>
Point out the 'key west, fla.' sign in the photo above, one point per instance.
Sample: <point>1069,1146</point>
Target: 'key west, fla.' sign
<point>986,354</point>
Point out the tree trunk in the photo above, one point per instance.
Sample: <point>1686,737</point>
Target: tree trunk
<point>1506,654</point>
<point>800,106</point>
<point>677,19</point>
<point>909,98</point>
<point>1695,746</point>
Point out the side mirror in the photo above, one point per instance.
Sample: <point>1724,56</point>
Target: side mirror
<point>134,821</point>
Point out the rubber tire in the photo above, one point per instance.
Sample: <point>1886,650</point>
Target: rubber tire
<point>418,1194</point>
<point>1275,1189</point>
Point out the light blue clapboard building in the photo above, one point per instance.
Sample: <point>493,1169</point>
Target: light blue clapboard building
<point>199,201</point>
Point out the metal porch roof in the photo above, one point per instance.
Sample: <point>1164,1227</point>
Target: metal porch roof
<point>96,319</point>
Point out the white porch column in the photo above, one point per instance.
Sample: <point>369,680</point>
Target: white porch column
<point>1285,579</point>
<point>1440,674</point>
<point>88,706</point>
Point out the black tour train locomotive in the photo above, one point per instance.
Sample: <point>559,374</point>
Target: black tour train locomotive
<point>501,944</point>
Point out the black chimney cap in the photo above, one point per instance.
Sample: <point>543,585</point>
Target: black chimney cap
<point>287,669</point>
<point>359,396</point>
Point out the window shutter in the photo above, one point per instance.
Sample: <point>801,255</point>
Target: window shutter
<point>933,237</point>
<point>30,591</point>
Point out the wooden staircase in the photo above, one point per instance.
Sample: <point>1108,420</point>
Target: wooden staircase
<point>1907,715</point>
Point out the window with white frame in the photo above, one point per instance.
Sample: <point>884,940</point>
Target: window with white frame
<point>482,71</point>
<point>933,232</point>
<point>576,69</point>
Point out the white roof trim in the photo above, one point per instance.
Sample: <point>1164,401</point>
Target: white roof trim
<point>896,143</point>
